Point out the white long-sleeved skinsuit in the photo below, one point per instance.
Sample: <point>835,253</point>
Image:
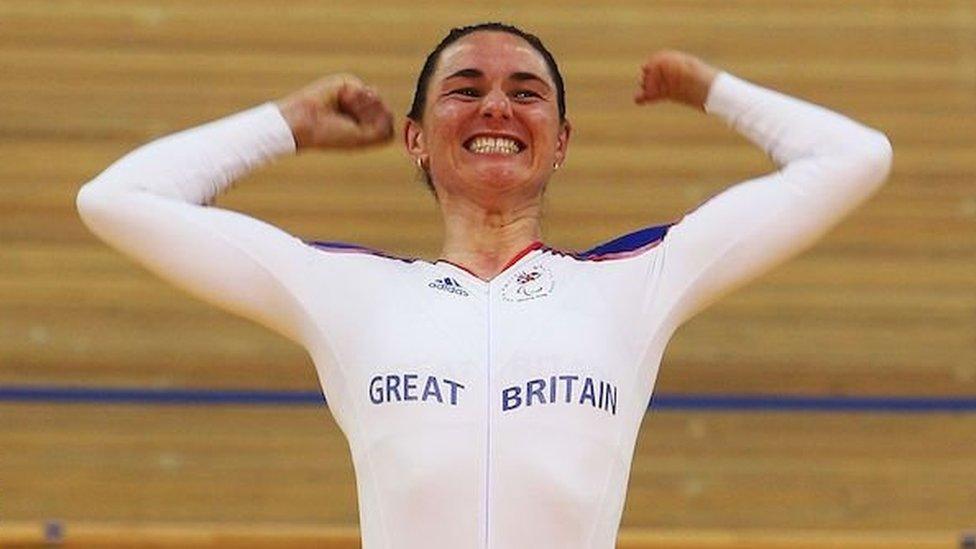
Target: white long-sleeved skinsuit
<point>484,414</point>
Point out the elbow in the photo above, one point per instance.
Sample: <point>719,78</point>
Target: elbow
<point>88,202</point>
<point>875,157</point>
<point>94,203</point>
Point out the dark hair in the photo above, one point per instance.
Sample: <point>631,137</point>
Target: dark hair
<point>420,95</point>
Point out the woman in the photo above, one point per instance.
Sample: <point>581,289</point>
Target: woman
<point>490,398</point>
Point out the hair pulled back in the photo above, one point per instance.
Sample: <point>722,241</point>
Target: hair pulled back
<point>423,80</point>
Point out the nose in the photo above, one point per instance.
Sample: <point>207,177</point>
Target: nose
<point>495,104</point>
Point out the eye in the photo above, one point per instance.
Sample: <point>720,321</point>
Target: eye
<point>466,92</point>
<point>525,94</point>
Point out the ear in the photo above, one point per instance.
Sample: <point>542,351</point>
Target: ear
<point>562,142</point>
<point>413,141</point>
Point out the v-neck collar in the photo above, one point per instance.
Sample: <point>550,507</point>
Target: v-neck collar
<point>535,245</point>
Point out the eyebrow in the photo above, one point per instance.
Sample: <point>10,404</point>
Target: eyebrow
<point>524,76</point>
<point>466,73</point>
<point>518,76</point>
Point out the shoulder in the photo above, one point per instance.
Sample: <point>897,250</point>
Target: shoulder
<point>345,251</point>
<point>628,245</point>
<point>355,250</point>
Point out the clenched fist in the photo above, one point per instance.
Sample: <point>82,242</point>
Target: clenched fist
<point>677,76</point>
<point>337,112</point>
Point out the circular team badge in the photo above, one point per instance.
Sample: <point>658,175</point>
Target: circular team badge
<point>528,283</point>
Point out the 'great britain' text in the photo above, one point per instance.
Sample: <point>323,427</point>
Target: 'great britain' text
<point>562,389</point>
<point>407,387</point>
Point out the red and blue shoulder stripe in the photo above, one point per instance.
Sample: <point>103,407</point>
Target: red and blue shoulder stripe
<point>344,247</point>
<point>628,245</point>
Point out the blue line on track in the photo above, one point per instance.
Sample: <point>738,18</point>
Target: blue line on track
<point>789,403</point>
<point>53,394</point>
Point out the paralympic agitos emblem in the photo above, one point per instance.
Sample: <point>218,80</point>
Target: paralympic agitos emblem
<point>528,283</point>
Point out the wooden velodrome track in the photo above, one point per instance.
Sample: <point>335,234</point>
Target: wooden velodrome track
<point>884,306</point>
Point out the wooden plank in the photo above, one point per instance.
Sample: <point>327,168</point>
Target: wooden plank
<point>297,536</point>
<point>692,470</point>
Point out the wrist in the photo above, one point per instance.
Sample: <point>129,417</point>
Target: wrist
<point>702,84</point>
<point>297,117</point>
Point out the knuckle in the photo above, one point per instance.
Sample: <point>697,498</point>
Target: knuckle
<point>348,77</point>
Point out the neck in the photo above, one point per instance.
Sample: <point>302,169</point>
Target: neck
<point>483,239</point>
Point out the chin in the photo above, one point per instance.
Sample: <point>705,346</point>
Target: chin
<point>502,177</point>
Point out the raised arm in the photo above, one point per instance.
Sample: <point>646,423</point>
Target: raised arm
<point>828,165</point>
<point>152,205</point>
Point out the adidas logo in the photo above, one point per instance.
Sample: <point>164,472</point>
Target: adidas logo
<point>448,284</point>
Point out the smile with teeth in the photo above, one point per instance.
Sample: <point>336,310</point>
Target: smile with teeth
<point>494,145</point>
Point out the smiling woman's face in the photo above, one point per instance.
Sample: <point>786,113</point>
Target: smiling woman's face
<point>491,124</point>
